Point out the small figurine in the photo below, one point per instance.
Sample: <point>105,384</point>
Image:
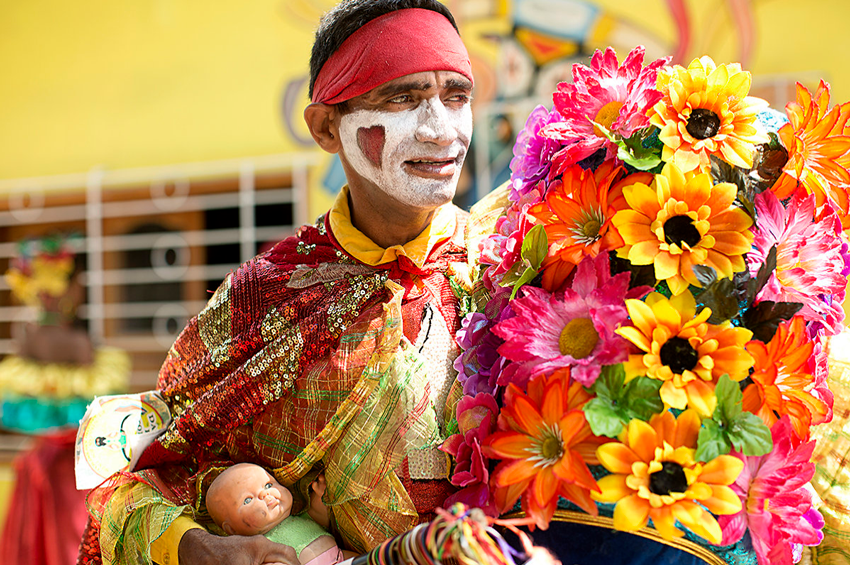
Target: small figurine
<point>246,500</point>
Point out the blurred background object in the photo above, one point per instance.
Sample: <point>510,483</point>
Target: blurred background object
<point>168,135</point>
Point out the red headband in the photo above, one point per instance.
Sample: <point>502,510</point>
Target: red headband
<point>391,46</point>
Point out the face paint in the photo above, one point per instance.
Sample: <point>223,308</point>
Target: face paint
<point>423,149</point>
<point>371,142</point>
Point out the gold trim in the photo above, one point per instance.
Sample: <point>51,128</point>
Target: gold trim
<point>604,522</point>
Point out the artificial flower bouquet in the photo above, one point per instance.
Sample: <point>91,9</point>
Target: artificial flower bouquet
<point>654,306</point>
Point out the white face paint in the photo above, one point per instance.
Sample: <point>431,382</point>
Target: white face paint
<point>423,149</point>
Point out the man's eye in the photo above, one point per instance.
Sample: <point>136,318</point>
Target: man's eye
<point>461,98</point>
<point>401,99</point>
<point>268,485</point>
<point>247,500</point>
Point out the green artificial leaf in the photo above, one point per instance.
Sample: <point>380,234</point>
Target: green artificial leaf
<point>729,397</point>
<point>730,426</point>
<point>642,399</point>
<point>535,246</point>
<point>711,442</point>
<point>632,150</point>
<point>618,402</point>
<point>525,278</point>
<point>764,318</point>
<point>513,274</point>
<point>750,435</point>
<point>609,383</point>
<point>603,417</point>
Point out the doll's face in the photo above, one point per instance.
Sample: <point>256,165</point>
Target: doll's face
<point>246,500</point>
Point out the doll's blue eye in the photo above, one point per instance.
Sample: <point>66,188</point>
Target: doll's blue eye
<point>268,485</point>
<point>247,500</point>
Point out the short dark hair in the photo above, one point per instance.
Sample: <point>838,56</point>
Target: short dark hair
<point>350,15</point>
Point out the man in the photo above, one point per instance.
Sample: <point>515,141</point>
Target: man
<point>332,352</point>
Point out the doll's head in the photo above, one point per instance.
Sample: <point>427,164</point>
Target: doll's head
<point>246,500</point>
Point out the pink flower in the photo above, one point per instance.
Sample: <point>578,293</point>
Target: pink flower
<point>503,248</point>
<point>777,506</point>
<point>616,97</point>
<point>811,261</point>
<point>572,328</point>
<point>476,418</point>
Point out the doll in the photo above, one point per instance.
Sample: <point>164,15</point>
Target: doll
<point>246,500</point>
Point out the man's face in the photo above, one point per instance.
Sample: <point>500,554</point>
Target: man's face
<point>258,502</point>
<point>408,137</point>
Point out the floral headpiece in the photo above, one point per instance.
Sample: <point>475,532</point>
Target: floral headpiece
<point>40,273</point>
<point>658,295</point>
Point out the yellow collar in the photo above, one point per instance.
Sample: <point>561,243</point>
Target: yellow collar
<point>359,246</point>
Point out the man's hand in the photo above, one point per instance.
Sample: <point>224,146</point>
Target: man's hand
<point>199,547</point>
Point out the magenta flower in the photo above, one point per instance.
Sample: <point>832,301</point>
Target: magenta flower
<point>476,418</point>
<point>812,262</point>
<point>616,97</point>
<point>777,505</point>
<point>503,248</point>
<point>533,152</point>
<point>572,328</point>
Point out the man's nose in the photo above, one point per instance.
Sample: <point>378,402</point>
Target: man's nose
<point>435,124</point>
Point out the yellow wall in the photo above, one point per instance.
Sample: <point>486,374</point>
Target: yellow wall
<point>149,82</point>
<point>146,82</point>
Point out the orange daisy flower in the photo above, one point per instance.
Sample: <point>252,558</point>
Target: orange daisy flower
<point>706,111</point>
<point>546,444</point>
<point>577,216</point>
<point>818,143</point>
<point>682,349</point>
<point>654,475</point>
<point>782,381</point>
<point>680,221</point>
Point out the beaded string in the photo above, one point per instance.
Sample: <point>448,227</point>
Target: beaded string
<point>461,534</point>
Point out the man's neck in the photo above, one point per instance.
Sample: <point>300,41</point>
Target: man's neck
<point>390,225</point>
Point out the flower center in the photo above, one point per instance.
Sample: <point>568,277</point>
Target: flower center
<point>578,338</point>
<point>671,478</point>
<point>551,449</point>
<point>590,229</point>
<point>606,116</point>
<point>703,124</point>
<point>678,354</point>
<point>681,229</point>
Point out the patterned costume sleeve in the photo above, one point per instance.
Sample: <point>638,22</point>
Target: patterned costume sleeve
<point>298,361</point>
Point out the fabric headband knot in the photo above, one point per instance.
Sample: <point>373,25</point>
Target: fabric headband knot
<point>396,44</point>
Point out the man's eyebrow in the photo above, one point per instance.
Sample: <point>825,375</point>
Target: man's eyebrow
<point>400,87</point>
<point>461,83</point>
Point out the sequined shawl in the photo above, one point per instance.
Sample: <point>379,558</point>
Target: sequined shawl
<point>300,360</point>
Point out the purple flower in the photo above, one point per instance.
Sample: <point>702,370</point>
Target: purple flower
<point>533,152</point>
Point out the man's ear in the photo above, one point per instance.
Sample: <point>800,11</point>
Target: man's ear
<point>228,529</point>
<point>323,123</point>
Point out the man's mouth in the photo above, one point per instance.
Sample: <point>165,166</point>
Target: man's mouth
<point>434,168</point>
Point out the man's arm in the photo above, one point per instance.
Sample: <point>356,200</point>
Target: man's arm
<point>199,547</point>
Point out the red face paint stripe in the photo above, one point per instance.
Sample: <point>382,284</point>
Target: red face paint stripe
<point>371,141</point>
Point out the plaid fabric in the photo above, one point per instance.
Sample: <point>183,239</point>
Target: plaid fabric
<point>832,456</point>
<point>298,361</point>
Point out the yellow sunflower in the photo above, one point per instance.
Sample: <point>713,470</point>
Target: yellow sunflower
<point>654,475</point>
<point>680,221</point>
<point>682,349</point>
<point>705,111</point>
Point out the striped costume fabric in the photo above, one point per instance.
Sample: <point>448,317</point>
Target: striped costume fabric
<point>302,360</point>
